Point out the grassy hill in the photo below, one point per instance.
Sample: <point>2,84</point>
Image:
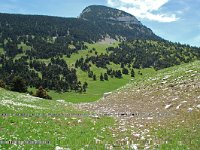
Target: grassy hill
<point>95,88</point>
<point>151,93</point>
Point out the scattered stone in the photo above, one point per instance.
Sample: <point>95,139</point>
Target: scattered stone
<point>97,141</point>
<point>168,106</point>
<point>61,148</point>
<point>149,118</point>
<point>198,106</point>
<point>174,98</point>
<point>136,135</point>
<point>166,77</point>
<point>190,109</point>
<point>95,116</point>
<point>142,138</point>
<point>108,147</point>
<point>60,100</point>
<point>164,82</point>
<point>189,71</point>
<point>178,106</point>
<point>133,147</point>
<point>106,94</point>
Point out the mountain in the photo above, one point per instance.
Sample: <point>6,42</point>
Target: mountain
<point>111,15</point>
<point>59,58</point>
<point>116,23</point>
<point>94,23</point>
<point>60,54</point>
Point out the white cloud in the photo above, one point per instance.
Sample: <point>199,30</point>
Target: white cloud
<point>145,9</point>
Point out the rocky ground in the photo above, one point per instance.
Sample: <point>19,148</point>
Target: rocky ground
<point>156,101</point>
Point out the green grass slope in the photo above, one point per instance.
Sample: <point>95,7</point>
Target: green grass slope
<point>95,88</point>
<point>59,123</point>
<point>42,120</point>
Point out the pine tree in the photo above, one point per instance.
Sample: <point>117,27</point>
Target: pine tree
<point>125,71</point>
<point>90,74</point>
<point>85,86</point>
<point>101,77</point>
<point>106,76</point>
<point>94,77</point>
<point>132,73</point>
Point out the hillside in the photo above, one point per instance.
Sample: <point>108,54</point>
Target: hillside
<point>160,110</point>
<point>165,105</point>
<point>78,29</point>
<point>79,59</point>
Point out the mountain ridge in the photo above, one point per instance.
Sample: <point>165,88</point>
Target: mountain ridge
<point>108,13</point>
<point>87,27</point>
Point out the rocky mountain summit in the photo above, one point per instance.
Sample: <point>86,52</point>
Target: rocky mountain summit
<point>111,15</point>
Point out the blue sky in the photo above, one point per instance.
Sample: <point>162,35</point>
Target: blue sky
<point>174,20</point>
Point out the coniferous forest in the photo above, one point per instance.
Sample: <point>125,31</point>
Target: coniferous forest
<point>45,37</point>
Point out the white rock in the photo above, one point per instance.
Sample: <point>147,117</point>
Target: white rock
<point>136,135</point>
<point>106,94</point>
<point>142,138</point>
<point>189,71</point>
<point>164,82</point>
<point>95,116</point>
<point>97,141</point>
<point>166,77</point>
<point>108,147</point>
<point>190,109</point>
<point>134,147</point>
<point>198,106</point>
<point>61,148</point>
<point>178,106</point>
<point>168,106</point>
<point>149,118</point>
<point>60,100</point>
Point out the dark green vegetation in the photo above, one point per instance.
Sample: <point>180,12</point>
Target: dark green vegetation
<point>53,52</point>
<point>156,54</point>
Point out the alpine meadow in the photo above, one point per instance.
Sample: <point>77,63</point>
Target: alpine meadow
<point>101,81</point>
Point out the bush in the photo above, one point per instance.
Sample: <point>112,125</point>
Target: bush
<point>18,84</point>
<point>2,84</point>
<point>42,93</point>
